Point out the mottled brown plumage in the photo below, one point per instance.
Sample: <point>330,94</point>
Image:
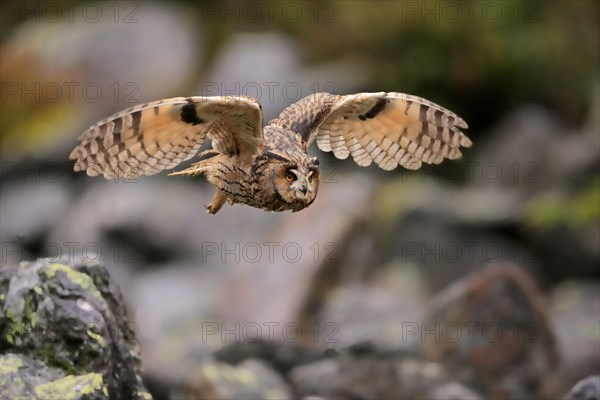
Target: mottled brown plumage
<point>269,168</point>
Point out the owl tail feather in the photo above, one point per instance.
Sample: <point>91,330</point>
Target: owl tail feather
<point>191,171</point>
<point>198,168</point>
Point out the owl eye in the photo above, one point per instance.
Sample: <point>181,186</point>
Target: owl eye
<point>290,177</point>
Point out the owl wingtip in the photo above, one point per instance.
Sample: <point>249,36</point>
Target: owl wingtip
<point>79,166</point>
<point>466,142</point>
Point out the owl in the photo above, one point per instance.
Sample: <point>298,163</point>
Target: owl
<point>268,166</point>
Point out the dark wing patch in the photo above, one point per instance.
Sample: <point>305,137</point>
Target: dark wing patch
<point>189,115</point>
<point>377,108</point>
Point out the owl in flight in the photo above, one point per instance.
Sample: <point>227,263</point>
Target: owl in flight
<point>268,167</point>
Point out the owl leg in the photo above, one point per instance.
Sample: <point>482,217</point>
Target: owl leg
<point>216,203</point>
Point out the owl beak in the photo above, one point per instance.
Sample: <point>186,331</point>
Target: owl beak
<point>301,189</point>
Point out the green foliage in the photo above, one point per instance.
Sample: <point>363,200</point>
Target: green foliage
<point>579,211</point>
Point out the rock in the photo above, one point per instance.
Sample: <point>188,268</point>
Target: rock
<point>453,391</point>
<point>449,231</point>
<point>575,312</point>
<point>447,248</point>
<point>368,377</point>
<point>28,212</point>
<point>358,372</point>
<point>419,377</point>
<point>71,321</point>
<point>530,151</point>
<point>491,330</point>
<point>251,379</point>
<point>375,306</point>
<point>316,378</point>
<point>585,389</point>
<point>22,377</point>
<point>364,371</point>
<point>279,355</point>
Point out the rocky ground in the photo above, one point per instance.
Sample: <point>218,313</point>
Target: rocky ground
<point>477,278</point>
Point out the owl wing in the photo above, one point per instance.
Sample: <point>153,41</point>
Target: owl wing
<point>389,128</point>
<point>152,137</point>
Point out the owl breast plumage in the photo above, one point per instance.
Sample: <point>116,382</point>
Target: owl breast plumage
<point>268,167</point>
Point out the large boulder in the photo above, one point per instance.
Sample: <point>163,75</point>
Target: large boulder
<point>65,327</point>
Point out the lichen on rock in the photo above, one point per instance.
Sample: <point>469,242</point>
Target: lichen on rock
<point>66,334</point>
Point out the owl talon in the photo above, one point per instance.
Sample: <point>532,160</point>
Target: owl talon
<point>216,203</point>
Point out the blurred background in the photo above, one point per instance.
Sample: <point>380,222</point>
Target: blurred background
<point>475,278</point>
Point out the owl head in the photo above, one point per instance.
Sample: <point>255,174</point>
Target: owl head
<point>297,181</point>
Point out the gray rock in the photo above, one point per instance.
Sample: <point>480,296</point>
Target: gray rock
<point>419,377</point>
<point>70,318</point>
<point>252,379</point>
<point>28,211</point>
<point>447,248</point>
<point>491,330</point>
<point>585,389</point>
<point>22,377</point>
<point>279,355</point>
<point>575,312</point>
<point>533,152</point>
<point>358,372</point>
<point>317,378</point>
<point>377,308</point>
<point>453,391</point>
